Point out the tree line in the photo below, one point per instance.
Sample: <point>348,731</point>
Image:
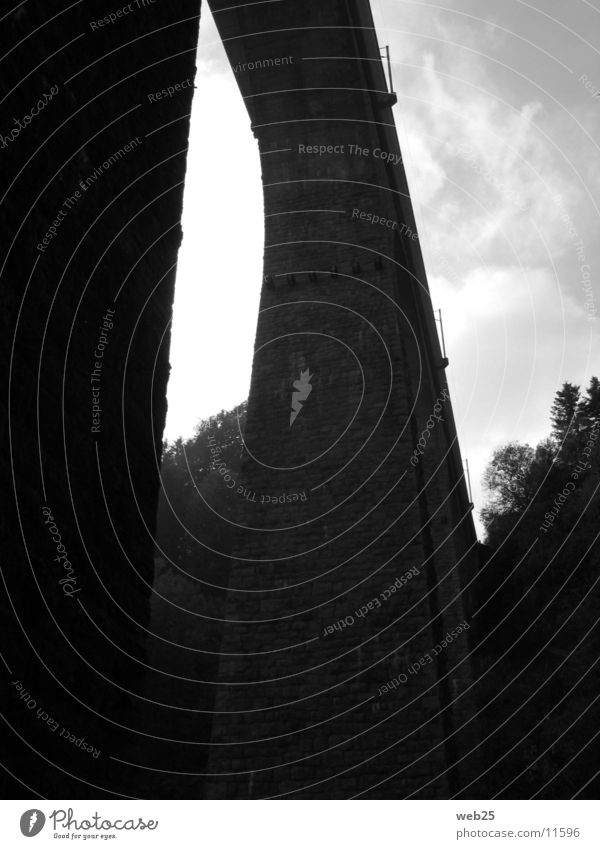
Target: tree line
<point>537,604</point>
<point>533,607</point>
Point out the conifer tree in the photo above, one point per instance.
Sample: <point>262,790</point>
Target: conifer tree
<point>590,404</point>
<point>566,419</point>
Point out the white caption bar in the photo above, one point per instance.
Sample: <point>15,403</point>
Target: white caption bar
<point>302,824</point>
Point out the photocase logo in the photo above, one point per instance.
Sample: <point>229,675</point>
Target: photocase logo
<point>303,390</point>
<point>32,822</point>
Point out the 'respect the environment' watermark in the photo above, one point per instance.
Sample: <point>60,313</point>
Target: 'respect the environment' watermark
<point>71,202</point>
<point>108,163</point>
<point>427,658</point>
<point>53,724</point>
<point>23,122</point>
<point>69,582</point>
<point>96,375</point>
<point>373,604</point>
<point>260,64</point>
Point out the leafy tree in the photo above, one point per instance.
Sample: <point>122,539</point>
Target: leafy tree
<point>507,478</point>
<point>191,487</point>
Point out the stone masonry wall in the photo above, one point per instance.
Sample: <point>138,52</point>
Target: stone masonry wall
<point>91,195</point>
<point>337,506</point>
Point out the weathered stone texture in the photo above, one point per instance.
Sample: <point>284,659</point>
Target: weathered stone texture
<point>299,712</point>
<point>114,248</point>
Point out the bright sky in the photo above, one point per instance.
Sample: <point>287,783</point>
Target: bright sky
<point>500,139</point>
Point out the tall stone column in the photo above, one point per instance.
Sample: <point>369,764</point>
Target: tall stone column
<point>339,672</point>
<point>96,105</point>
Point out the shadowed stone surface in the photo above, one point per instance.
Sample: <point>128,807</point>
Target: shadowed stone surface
<point>346,322</point>
<point>114,248</point>
<point>86,322</point>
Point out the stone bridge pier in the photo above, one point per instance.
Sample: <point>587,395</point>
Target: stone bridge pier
<point>358,581</point>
